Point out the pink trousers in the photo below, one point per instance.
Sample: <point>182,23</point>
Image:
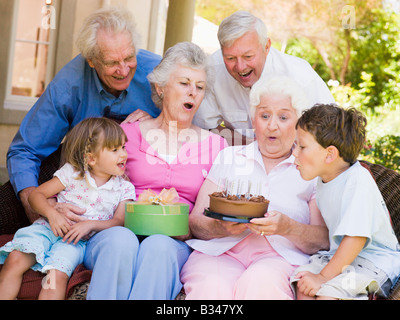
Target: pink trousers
<point>251,270</point>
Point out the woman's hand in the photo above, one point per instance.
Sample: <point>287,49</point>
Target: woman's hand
<point>273,223</point>
<point>184,237</point>
<point>232,228</point>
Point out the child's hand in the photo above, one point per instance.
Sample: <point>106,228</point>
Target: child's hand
<point>309,283</point>
<point>58,224</point>
<point>78,231</point>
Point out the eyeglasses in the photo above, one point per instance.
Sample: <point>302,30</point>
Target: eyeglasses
<point>129,62</point>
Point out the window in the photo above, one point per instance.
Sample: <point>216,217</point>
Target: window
<point>31,52</point>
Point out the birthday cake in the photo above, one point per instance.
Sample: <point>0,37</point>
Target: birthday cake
<point>233,205</point>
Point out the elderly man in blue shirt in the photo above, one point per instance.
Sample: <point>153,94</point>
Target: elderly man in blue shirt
<point>108,78</point>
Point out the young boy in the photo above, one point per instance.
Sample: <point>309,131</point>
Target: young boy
<point>364,254</point>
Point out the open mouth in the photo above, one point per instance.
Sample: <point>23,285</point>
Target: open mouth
<point>121,165</point>
<point>245,74</point>
<point>188,105</point>
<point>119,78</point>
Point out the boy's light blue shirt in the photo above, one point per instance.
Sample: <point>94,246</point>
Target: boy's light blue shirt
<point>74,94</point>
<point>352,205</point>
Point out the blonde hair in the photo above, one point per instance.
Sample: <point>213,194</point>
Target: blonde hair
<point>90,136</point>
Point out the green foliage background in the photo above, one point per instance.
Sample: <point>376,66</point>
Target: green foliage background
<point>371,81</point>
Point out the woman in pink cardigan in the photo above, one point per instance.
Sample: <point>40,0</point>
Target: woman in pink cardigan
<point>170,152</point>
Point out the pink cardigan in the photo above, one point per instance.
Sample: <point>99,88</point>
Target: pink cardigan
<point>147,170</point>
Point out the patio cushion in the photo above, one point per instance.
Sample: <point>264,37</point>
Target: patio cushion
<point>388,182</point>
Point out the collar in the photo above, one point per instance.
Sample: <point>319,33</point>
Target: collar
<point>99,86</point>
<point>277,64</point>
<point>252,152</point>
<point>97,81</point>
<point>268,66</point>
<point>92,183</point>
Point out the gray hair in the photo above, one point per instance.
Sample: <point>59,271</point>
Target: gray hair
<point>278,85</point>
<point>238,24</point>
<point>114,19</point>
<point>186,54</point>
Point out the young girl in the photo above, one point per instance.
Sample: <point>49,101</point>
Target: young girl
<point>94,155</point>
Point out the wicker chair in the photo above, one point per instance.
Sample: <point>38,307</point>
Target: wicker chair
<point>388,182</point>
<point>12,217</point>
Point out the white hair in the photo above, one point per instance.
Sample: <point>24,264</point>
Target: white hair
<point>114,19</point>
<point>278,85</point>
<point>238,24</point>
<point>185,54</point>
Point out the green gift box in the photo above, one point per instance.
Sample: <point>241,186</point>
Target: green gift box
<point>148,219</point>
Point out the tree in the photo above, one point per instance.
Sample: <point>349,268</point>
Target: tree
<point>331,27</point>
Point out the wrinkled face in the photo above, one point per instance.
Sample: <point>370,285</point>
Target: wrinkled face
<point>275,126</point>
<point>245,59</point>
<point>183,94</point>
<point>310,155</point>
<point>116,64</point>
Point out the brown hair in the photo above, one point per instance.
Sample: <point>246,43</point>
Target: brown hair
<point>332,125</point>
<point>90,136</point>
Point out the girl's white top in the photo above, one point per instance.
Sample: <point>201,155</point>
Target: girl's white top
<point>100,202</point>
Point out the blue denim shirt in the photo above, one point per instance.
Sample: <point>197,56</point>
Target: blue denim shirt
<point>74,94</point>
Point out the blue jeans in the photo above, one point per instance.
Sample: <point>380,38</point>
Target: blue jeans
<point>125,269</point>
